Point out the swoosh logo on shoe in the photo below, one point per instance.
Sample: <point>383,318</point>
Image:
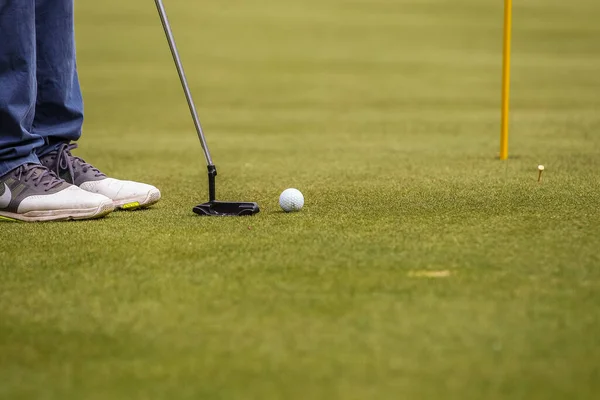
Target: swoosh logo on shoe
<point>6,197</point>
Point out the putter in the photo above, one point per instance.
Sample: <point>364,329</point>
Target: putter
<point>212,207</point>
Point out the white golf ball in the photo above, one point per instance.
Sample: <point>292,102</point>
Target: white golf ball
<point>541,167</point>
<point>291,200</point>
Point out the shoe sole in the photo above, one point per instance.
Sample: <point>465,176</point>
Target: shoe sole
<point>135,203</point>
<point>59,215</point>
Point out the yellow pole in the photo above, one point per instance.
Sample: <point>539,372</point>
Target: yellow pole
<point>506,79</point>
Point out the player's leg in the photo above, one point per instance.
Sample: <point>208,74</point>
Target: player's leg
<point>59,110</point>
<point>29,191</point>
<point>59,105</point>
<point>17,84</point>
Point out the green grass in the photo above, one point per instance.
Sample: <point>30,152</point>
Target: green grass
<point>386,115</point>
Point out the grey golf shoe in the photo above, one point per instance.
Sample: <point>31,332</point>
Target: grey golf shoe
<point>31,193</point>
<point>126,195</point>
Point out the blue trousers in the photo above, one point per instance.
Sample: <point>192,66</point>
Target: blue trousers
<point>40,97</point>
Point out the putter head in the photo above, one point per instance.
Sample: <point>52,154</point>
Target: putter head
<point>226,208</point>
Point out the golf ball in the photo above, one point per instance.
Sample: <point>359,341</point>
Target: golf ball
<point>291,200</point>
<point>541,167</point>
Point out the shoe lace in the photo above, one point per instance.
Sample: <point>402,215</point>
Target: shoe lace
<point>38,175</point>
<point>68,162</point>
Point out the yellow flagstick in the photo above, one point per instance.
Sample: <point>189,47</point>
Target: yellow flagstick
<point>506,79</point>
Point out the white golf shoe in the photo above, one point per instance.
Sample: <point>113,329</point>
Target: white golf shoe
<point>33,193</point>
<point>126,195</point>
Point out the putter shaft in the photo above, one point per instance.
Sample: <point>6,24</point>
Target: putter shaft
<point>184,83</point>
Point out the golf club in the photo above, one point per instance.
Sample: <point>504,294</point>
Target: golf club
<point>212,207</point>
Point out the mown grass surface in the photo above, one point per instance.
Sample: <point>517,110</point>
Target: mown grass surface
<point>385,115</point>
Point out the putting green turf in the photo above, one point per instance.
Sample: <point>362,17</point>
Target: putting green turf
<point>385,114</point>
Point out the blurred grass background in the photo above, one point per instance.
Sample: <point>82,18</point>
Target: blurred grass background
<point>385,114</point>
